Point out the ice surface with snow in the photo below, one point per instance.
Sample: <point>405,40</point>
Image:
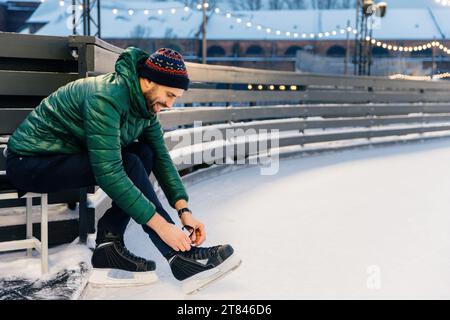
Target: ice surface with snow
<point>366,224</point>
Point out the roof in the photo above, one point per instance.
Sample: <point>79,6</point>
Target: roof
<point>399,23</point>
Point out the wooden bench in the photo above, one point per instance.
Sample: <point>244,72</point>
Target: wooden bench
<point>31,68</point>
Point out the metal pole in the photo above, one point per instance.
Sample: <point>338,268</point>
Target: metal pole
<point>74,17</point>
<point>88,9</point>
<point>347,52</point>
<point>98,20</point>
<point>204,34</point>
<point>356,49</point>
<point>85,20</point>
<point>433,59</point>
<point>369,45</point>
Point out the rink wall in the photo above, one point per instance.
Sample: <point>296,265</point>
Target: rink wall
<point>309,113</point>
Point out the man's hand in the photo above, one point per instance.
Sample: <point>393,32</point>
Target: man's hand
<point>169,233</point>
<point>199,235</point>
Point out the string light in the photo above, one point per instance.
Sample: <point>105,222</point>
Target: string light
<point>289,34</point>
<point>272,87</point>
<point>228,15</point>
<point>443,2</point>
<point>416,48</point>
<point>419,78</point>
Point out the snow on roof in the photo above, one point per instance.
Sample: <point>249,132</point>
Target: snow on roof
<point>399,23</point>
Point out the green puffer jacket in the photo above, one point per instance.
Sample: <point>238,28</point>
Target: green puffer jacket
<point>101,115</point>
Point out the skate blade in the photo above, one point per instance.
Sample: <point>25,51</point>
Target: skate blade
<point>121,278</point>
<point>203,279</point>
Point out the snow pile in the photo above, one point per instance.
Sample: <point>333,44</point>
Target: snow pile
<point>21,275</point>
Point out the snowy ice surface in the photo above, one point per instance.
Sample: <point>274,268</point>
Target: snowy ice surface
<point>366,224</point>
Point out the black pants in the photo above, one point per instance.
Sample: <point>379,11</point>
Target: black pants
<point>50,173</point>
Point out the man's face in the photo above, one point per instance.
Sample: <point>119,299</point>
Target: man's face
<point>159,97</point>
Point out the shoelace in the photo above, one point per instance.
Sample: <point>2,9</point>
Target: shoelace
<point>201,253</point>
<point>120,245</point>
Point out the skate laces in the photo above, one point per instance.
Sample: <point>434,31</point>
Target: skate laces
<point>120,245</point>
<point>199,253</point>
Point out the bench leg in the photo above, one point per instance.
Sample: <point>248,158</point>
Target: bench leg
<point>29,225</point>
<point>44,233</point>
<point>83,216</point>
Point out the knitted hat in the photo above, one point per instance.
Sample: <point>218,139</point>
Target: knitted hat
<point>165,67</point>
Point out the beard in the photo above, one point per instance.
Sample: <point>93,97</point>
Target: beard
<point>153,105</point>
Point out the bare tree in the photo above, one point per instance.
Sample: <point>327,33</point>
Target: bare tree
<point>139,34</point>
<point>276,4</point>
<point>347,4</point>
<point>325,4</point>
<point>251,5</point>
<point>295,4</point>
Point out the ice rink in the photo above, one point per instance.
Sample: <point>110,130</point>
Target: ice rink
<point>369,224</point>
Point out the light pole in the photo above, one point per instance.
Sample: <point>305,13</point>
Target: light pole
<point>87,17</point>
<point>204,43</point>
<point>366,9</point>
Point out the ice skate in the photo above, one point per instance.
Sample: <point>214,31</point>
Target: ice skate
<point>115,266</point>
<point>200,267</point>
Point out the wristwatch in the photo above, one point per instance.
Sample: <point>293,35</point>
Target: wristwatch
<point>180,212</point>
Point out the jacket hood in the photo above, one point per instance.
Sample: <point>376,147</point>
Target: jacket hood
<point>126,67</point>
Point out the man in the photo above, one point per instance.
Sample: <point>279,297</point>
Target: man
<point>84,134</point>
